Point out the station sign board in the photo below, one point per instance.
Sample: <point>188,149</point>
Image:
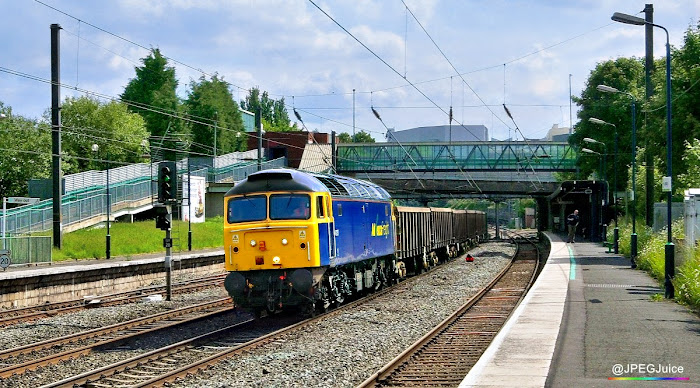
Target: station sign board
<point>22,200</point>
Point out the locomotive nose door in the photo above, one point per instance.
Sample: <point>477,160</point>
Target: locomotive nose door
<point>325,231</point>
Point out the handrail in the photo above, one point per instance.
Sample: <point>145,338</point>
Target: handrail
<point>90,200</point>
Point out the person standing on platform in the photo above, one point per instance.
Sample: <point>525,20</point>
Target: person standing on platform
<point>572,223</point>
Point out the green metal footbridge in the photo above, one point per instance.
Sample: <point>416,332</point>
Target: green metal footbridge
<point>459,169</point>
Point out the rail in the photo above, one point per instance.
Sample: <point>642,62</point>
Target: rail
<point>444,355</point>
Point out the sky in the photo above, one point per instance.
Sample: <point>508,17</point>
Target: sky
<point>410,60</point>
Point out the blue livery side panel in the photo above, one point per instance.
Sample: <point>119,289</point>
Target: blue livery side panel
<point>363,229</point>
<point>324,242</point>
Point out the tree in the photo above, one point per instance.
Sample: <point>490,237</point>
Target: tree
<point>625,74</point>
<point>690,178</point>
<point>685,68</point>
<point>120,134</point>
<point>26,149</point>
<point>152,95</point>
<point>273,112</point>
<point>469,204</point>
<point>359,137</point>
<point>211,104</point>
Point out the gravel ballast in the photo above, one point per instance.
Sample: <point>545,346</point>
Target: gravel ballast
<point>341,351</point>
<point>346,349</point>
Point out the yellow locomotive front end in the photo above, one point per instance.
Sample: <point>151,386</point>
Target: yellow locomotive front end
<point>274,233</point>
<point>270,231</point>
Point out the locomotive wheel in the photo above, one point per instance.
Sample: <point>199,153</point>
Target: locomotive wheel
<point>309,309</point>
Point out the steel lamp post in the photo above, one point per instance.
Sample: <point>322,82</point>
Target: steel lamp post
<point>633,237</point>
<point>667,181</point>
<point>603,227</point>
<point>616,231</point>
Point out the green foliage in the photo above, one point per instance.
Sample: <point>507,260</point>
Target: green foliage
<point>211,104</point>
<point>625,74</point>
<point>120,135</point>
<point>273,112</point>
<point>565,176</point>
<point>469,204</point>
<point>26,152</point>
<point>685,69</point>
<point>359,137</point>
<point>687,281</point>
<point>523,204</point>
<point>652,251</point>
<point>152,95</point>
<point>135,238</point>
<point>690,178</point>
<point>652,256</point>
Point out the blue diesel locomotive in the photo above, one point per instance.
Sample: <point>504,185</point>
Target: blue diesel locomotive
<point>307,241</point>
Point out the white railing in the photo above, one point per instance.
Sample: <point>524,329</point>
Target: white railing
<point>86,194</point>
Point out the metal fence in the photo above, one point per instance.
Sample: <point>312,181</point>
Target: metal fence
<point>88,197</point>
<point>692,216</point>
<point>29,249</point>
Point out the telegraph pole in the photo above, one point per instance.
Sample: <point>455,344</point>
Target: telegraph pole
<point>649,68</point>
<point>56,134</point>
<point>258,128</point>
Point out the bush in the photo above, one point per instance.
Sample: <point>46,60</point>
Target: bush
<point>687,281</point>
<point>652,251</point>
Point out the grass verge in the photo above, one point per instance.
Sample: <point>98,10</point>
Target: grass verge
<point>128,239</point>
<point>652,259</point>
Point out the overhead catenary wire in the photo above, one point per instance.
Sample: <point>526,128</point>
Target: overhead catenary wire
<point>154,109</point>
<point>130,41</point>
<point>388,132</point>
<point>384,62</point>
<point>452,65</point>
<point>81,21</point>
<point>390,67</point>
<point>313,138</point>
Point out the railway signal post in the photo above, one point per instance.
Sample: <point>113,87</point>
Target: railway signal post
<point>167,194</point>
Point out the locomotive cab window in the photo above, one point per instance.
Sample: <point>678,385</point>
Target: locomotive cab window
<point>320,209</point>
<point>290,207</point>
<point>247,208</point>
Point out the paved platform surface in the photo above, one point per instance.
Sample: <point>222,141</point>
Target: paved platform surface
<point>17,271</point>
<point>604,323</point>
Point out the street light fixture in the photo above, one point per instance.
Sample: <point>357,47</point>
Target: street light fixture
<point>667,182</point>
<point>616,231</point>
<point>633,237</point>
<point>605,148</point>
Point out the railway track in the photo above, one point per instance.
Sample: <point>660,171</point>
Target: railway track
<point>30,357</point>
<point>28,314</point>
<point>176,361</point>
<point>445,355</point>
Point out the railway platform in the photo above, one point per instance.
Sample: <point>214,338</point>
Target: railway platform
<point>22,286</point>
<point>591,321</point>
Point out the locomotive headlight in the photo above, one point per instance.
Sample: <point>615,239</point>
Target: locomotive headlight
<point>284,241</point>
<point>252,243</point>
<point>276,260</point>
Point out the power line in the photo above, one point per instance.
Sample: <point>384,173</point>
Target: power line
<point>130,41</point>
<point>453,66</point>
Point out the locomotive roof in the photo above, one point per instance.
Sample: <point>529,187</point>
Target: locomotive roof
<point>295,180</point>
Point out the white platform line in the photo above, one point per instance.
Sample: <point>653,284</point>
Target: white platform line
<point>522,351</point>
